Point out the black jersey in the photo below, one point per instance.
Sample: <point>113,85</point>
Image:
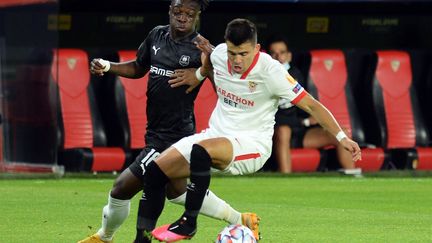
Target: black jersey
<point>170,111</point>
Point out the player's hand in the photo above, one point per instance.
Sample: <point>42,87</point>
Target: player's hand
<point>353,147</point>
<point>204,45</point>
<point>96,68</point>
<point>184,77</point>
<point>206,48</point>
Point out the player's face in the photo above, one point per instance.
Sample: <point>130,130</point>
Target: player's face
<point>241,57</point>
<point>184,16</point>
<point>280,52</point>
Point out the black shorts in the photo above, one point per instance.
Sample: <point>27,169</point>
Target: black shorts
<point>154,146</point>
<point>297,136</point>
<point>287,117</point>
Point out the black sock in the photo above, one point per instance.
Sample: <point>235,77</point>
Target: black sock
<point>200,163</point>
<point>152,201</point>
<point>143,236</point>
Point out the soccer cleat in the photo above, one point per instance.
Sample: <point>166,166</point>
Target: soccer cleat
<point>356,172</point>
<point>163,234</point>
<point>94,239</point>
<point>251,220</point>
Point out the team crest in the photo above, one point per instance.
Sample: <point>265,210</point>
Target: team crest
<point>328,64</point>
<point>395,64</point>
<point>184,60</point>
<point>252,86</point>
<point>71,62</point>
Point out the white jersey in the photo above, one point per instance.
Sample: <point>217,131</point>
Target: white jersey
<point>247,103</point>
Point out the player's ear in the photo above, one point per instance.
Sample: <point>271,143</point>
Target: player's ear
<point>257,48</point>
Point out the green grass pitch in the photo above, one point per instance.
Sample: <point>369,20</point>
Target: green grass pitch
<point>293,209</point>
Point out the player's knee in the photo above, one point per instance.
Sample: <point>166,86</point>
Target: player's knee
<point>126,186</point>
<point>200,159</point>
<point>154,177</point>
<point>118,190</point>
<point>175,188</point>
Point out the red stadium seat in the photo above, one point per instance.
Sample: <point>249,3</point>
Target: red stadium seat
<point>402,128</point>
<point>131,101</point>
<point>305,160</point>
<point>204,105</point>
<point>131,96</point>
<point>83,139</point>
<point>329,81</point>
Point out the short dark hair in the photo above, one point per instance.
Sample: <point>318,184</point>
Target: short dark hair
<point>239,31</point>
<point>203,3</point>
<point>276,38</point>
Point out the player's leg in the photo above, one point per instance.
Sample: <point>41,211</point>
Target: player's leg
<point>127,185</point>
<point>317,137</point>
<point>212,206</point>
<point>156,177</point>
<point>282,138</point>
<point>248,158</point>
<point>215,152</point>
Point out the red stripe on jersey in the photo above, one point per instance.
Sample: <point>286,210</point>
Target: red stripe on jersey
<point>254,62</point>
<point>299,97</point>
<point>247,156</point>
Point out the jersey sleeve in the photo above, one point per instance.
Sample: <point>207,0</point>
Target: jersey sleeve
<point>283,85</point>
<point>143,54</point>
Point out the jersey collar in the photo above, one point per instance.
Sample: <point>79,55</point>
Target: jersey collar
<point>245,74</point>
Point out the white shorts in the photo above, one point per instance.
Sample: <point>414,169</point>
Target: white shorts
<point>249,155</point>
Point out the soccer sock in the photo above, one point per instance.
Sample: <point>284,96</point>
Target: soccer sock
<point>113,216</point>
<point>214,207</point>
<point>152,201</point>
<point>200,163</point>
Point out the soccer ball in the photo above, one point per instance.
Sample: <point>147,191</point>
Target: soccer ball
<point>236,234</point>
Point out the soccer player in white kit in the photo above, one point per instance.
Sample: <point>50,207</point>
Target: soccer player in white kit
<point>238,141</point>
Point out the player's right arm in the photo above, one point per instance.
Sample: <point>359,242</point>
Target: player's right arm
<point>130,69</point>
<point>284,86</point>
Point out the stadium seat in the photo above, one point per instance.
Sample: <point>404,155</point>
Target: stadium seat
<point>305,160</point>
<point>204,105</point>
<point>82,139</point>
<point>401,124</point>
<point>130,103</point>
<point>130,108</point>
<point>421,64</point>
<point>329,81</point>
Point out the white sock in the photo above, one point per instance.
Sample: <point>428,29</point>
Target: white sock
<point>214,207</point>
<point>113,216</point>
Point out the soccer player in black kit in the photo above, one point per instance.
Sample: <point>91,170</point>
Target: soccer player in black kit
<point>171,57</point>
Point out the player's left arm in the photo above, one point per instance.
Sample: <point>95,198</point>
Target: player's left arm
<point>191,76</point>
<point>328,122</point>
<point>185,76</point>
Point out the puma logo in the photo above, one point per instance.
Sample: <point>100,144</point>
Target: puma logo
<point>156,50</point>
